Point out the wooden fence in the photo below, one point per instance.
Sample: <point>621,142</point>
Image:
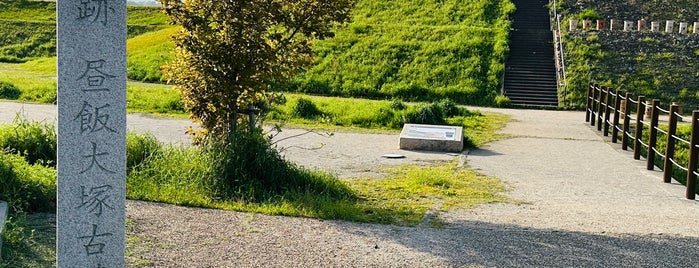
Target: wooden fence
<point>613,111</point>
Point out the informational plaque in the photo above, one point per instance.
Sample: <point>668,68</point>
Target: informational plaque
<point>432,138</point>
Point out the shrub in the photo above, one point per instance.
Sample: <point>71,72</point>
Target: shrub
<point>449,108</point>
<point>247,166</point>
<point>502,101</point>
<point>9,91</point>
<point>140,148</point>
<point>589,14</point>
<point>431,114</point>
<point>26,187</point>
<point>305,108</point>
<point>397,104</point>
<point>33,140</point>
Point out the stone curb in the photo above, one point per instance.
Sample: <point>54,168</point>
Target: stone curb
<point>3,218</point>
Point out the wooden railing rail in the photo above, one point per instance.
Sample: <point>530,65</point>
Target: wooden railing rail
<point>614,110</point>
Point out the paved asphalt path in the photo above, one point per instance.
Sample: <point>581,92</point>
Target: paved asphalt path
<point>580,202</point>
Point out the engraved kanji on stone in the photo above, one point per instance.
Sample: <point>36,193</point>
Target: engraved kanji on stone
<point>94,161</point>
<point>93,119</point>
<point>92,248</point>
<point>95,76</point>
<point>96,199</point>
<point>95,9</point>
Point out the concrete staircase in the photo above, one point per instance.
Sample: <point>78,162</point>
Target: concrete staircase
<point>530,74</point>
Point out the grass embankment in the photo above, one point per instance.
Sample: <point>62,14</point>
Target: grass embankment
<point>146,53</point>
<point>29,33</point>
<point>35,81</point>
<point>428,51</point>
<point>656,65</point>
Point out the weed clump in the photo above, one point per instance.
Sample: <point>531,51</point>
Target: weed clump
<point>140,148</point>
<point>9,91</point>
<point>434,113</point>
<point>26,187</point>
<point>502,101</point>
<point>33,140</point>
<point>247,166</point>
<point>305,108</point>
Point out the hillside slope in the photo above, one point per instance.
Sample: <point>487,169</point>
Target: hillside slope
<point>657,65</point>
<point>28,28</point>
<point>415,50</point>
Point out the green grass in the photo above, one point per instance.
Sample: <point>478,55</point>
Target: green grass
<point>141,15</point>
<point>24,40</point>
<point>428,51</point>
<point>377,115</point>
<point>46,11</point>
<point>402,197</point>
<point>147,53</point>
<point>29,241</point>
<point>154,98</point>
<point>408,192</point>
<point>28,10</point>
<point>28,28</point>
<point>36,79</point>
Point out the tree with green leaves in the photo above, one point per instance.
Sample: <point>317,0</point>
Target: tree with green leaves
<point>228,51</point>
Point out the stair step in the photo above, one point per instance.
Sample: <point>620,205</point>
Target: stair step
<point>551,98</point>
<point>541,92</point>
<point>530,76</point>
<point>533,85</point>
<point>528,72</point>
<point>524,63</point>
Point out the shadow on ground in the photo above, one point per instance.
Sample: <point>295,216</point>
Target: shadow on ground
<point>496,245</point>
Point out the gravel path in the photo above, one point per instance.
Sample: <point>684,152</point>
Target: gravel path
<point>583,203</point>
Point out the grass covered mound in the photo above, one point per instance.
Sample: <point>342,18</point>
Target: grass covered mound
<point>28,28</point>
<point>414,50</point>
<point>656,65</point>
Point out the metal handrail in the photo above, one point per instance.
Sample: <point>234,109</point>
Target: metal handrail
<point>560,55</point>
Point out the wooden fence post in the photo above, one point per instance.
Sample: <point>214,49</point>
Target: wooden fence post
<point>670,144</point>
<point>588,103</point>
<point>627,122</point>
<point>640,112</point>
<point>595,105</point>
<point>601,108</point>
<point>693,154</point>
<point>607,111</point>
<point>653,137</point>
<point>615,122</point>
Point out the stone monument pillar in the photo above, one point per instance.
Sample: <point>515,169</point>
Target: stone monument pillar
<point>628,26</point>
<point>587,24</point>
<point>573,25</point>
<point>655,26</point>
<point>642,25</point>
<point>601,25</point>
<point>91,162</point>
<point>612,25</point>
<point>683,27</point>
<point>695,29</point>
<point>669,25</point>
